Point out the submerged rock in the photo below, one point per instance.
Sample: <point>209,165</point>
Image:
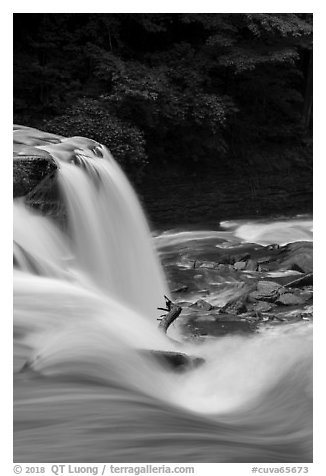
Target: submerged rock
<point>268,287</point>
<point>216,326</point>
<point>176,360</point>
<point>206,264</point>
<point>261,306</point>
<point>289,299</point>
<point>201,304</point>
<point>242,257</point>
<point>236,307</point>
<point>298,256</point>
<point>223,268</point>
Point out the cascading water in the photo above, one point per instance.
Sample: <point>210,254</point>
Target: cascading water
<point>85,304</point>
<point>110,236</point>
<point>265,233</point>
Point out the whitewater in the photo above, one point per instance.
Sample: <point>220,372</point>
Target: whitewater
<point>85,309</point>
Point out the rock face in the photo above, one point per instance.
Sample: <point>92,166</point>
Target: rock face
<point>37,154</point>
<point>36,157</point>
<point>30,168</point>
<point>31,164</point>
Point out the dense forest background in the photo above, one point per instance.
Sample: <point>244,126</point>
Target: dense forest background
<point>229,93</point>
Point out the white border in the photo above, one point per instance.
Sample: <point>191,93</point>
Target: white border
<point>59,6</point>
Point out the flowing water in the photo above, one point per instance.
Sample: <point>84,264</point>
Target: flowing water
<point>85,302</point>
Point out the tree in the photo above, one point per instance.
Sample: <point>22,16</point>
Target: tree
<point>216,89</point>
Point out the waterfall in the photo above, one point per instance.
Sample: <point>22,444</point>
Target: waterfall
<point>85,301</point>
<point>109,237</point>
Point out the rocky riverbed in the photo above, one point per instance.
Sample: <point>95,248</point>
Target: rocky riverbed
<point>95,376</point>
<point>223,285</point>
<point>239,289</point>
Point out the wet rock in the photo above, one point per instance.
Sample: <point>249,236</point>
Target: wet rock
<point>289,299</point>
<point>176,360</point>
<point>236,307</point>
<point>231,259</point>
<point>261,306</point>
<point>299,256</point>
<point>262,269</point>
<point>30,171</point>
<point>31,164</point>
<point>266,291</point>
<point>188,262</point>
<point>201,304</point>
<point>264,260</point>
<point>283,290</point>
<point>251,265</point>
<point>222,268</point>
<point>240,257</point>
<point>268,287</point>
<point>240,265</point>
<point>35,163</point>
<point>225,259</point>
<point>256,296</point>
<point>207,264</point>
<point>273,246</point>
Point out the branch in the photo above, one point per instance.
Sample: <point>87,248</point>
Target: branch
<point>173,311</point>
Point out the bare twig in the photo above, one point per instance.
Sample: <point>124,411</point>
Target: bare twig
<point>173,311</point>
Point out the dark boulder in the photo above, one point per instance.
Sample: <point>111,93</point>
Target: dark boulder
<point>290,299</point>
<point>201,304</point>
<point>265,291</point>
<point>298,256</point>
<point>251,265</point>
<point>30,168</point>
<point>177,361</point>
<point>237,306</point>
<point>34,169</point>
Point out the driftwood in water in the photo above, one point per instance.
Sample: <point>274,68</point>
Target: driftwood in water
<point>173,311</point>
<point>177,361</point>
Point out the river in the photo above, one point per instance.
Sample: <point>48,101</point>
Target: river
<point>85,308</point>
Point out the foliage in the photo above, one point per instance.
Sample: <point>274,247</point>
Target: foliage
<point>88,118</point>
<point>186,88</point>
